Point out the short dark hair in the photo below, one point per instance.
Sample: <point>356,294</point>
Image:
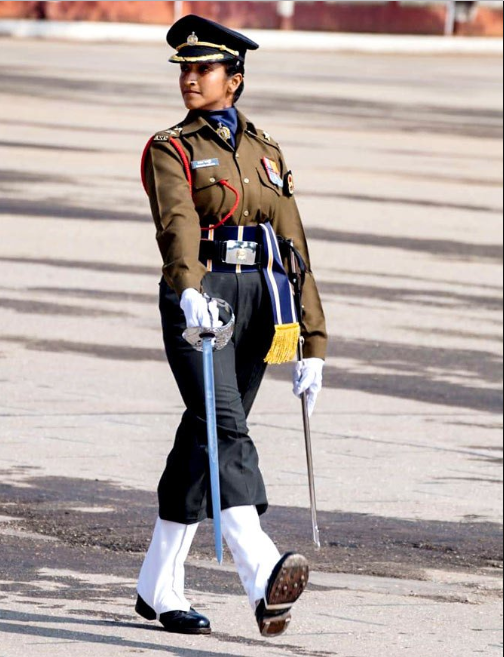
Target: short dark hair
<point>233,68</point>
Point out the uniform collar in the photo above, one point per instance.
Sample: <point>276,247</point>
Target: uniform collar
<point>195,122</point>
<point>225,120</point>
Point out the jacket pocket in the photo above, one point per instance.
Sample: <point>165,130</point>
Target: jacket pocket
<point>205,178</point>
<point>267,183</point>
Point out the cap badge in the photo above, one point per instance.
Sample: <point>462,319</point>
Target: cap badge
<point>193,40</point>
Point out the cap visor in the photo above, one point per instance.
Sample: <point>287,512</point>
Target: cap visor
<point>195,54</point>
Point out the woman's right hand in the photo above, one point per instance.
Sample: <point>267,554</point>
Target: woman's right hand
<point>198,311</point>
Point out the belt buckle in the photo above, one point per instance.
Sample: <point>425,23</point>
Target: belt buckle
<point>241,253</point>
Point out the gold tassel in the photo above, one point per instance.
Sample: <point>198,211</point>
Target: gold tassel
<point>285,344</point>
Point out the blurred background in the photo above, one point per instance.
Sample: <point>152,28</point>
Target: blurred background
<point>394,132</point>
<point>393,17</point>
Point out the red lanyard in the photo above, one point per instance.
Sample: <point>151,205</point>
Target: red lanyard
<point>187,168</point>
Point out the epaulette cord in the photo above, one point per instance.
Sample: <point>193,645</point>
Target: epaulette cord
<point>167,137</point>
<point>142,166</point>
<point>171,139</point>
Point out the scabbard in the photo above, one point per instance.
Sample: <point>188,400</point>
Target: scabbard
<point>297,272</point>
<point>309,459</point>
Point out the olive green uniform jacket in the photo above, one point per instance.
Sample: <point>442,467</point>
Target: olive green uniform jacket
<point>179,216</point>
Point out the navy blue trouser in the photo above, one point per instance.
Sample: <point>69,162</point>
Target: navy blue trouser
<point>184,489</point>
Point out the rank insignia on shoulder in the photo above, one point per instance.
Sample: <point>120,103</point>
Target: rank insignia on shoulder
<point>165,136</point>
<point>289,186</point>
<point>267,136</point>
<point>273,171</point>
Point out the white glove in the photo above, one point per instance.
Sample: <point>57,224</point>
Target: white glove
<point>308,376</point>
<point>198,312</point>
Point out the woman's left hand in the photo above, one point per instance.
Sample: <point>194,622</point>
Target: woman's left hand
<point>308,377</point>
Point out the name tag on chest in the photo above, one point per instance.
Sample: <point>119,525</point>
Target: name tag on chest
<point>204,164</point>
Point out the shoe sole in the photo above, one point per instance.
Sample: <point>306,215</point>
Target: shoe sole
<point>288,586</point>
<point>205,632</point>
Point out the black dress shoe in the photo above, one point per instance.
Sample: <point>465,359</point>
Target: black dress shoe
<point>185,622</point>
<point>176,622</point>
<point>286,585</point>
<point>143,610</point>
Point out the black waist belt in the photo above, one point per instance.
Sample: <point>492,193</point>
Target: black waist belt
<point>232,249</point>
<point>242,249</point>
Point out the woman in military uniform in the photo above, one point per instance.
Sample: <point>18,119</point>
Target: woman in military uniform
<point>220,192</point>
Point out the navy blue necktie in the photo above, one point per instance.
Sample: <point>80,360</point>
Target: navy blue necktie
<point>225,123</point>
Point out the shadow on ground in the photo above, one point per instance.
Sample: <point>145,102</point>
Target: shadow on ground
<point>31,624</point>
<point>458,378</point>
<point>112,539</point>
<point>449,249</point>
<point>378,115</point>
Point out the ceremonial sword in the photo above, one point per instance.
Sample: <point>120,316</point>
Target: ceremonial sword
<point>309,456</point>
<point>296,280</point>
<point>208,340</point>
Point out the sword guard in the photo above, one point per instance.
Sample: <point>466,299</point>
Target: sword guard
<point>221,335</point>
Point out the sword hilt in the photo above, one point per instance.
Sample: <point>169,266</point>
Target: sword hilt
<point>221,335</point>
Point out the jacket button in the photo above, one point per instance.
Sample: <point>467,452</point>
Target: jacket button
<point>246,213</point>
<point>212,180</point>
<point>246,181</point>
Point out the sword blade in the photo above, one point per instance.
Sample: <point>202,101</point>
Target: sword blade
<point>213,445</point>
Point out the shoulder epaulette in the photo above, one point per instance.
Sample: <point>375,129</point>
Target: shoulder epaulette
<point>268,138</point>
<point>166,135</point>
<point>160,137</point>
<point>265,138</point>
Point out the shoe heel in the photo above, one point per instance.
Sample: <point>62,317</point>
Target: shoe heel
<point>274,626</point>
<point>143,610</point>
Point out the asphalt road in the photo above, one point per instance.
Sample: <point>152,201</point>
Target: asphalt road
<point>398,164</point>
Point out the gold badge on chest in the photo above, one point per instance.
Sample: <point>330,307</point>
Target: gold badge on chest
<point>224,132</point>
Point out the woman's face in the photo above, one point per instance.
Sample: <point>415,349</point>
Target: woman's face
<point>207,86</point>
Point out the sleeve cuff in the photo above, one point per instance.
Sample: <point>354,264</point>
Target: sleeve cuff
<point>315,347</point>
<point>184,282</point>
